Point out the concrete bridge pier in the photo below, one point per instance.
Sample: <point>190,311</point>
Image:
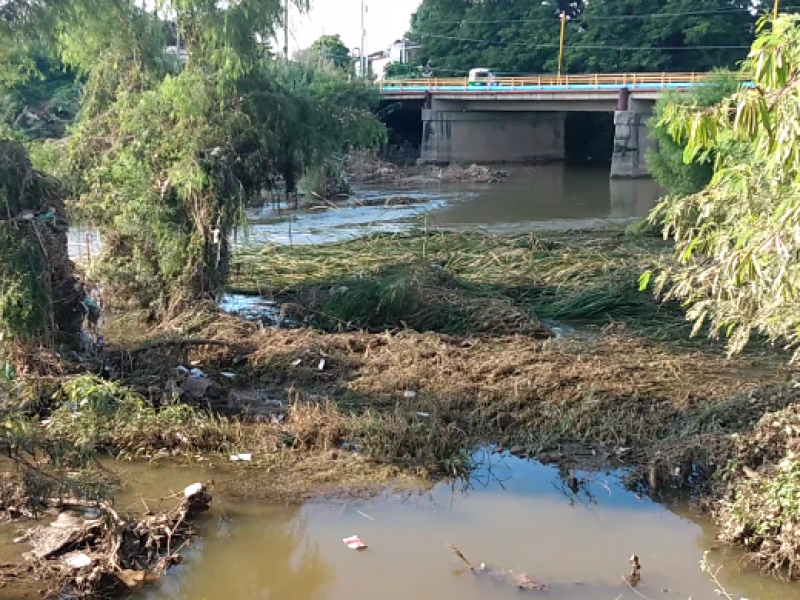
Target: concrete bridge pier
<point>631,138</point>
<point>451,134</point>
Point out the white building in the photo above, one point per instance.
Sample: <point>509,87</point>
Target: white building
<point>399,52</point>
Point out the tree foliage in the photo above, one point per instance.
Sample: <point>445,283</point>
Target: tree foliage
<point>329,50</point>
<point>601,36</point>
<point>667,165</point>
<point>165,153</point>
<point>738,240</point>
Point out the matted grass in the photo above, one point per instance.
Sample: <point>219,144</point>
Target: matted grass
<point>466,282</point>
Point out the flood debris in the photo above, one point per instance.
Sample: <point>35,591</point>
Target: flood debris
<point>354,543</point>
<point>100,554</point>
<point>498,575</point>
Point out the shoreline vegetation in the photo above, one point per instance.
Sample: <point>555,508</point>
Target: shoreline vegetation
<point>388,360</point>
<point>385,360</point>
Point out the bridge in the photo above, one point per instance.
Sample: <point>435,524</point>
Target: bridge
<point>521,119</point>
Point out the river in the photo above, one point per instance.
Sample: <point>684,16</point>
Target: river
<point>531,198</point>
<point>516,514</point>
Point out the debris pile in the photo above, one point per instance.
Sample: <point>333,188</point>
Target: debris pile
<point>97,553</point>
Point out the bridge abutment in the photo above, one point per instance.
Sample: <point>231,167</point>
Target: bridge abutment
<point>631,141</point>
<point>461,136</point>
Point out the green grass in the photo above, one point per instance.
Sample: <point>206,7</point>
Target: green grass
<point>435,281</point>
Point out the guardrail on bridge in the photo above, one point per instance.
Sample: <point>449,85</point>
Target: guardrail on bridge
<point>649,81</point>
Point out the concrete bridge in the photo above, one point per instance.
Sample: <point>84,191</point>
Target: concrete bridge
<point>521,119</point>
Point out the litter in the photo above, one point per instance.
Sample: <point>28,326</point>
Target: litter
<point>196,373</point>
<point>423,414</point>
<point>354,543</point>
<point>409,394</point>
<point>227,374</point>
<point>321,365</point>
<point>244,457</point>
<point>78,561</point>
<point>181,370</point>
<point>193,490</point>
<point>297,362</point>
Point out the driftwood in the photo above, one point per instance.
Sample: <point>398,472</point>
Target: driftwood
<point>103,555</point>
<point>497,575</point>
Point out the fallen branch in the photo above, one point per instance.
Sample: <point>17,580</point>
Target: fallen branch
<point>518,580</point>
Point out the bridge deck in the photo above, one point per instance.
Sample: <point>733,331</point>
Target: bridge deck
<point>548,83</point>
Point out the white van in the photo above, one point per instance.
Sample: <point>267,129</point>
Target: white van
<point>480,77</point>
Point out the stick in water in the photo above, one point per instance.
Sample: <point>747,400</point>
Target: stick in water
<point>458,553</point>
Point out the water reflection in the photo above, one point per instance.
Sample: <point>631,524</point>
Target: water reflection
<point>552,197</point>
<point>264,554</point>
<point>570,529</point>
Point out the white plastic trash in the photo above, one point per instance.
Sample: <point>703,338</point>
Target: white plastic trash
<point>354,543</point>
<point>192,490</point>
<point>78,561</point>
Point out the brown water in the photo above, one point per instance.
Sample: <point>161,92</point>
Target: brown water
<point>517,515</point>
<point>531,198</point>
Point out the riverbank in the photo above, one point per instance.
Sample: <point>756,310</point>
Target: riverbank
<point>387,360</point>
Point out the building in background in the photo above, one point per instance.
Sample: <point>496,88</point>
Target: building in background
<point>400,51</point>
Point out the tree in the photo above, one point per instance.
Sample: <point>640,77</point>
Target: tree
<point>602,36</point>
<point>398,70</point>
<point>164,156</point>
<point>615,36</point>
<point>667,164</point>
<point>738,240</point>
<point>329,49</point>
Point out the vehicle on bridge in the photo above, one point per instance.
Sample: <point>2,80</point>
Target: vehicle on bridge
<point>480,78</point>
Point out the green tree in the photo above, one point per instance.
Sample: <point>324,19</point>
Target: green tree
<point>738,240</point>
<point>602,36</point>
<point>667,164</point>
<point>398,70</point>
<point>613,36</point>
<point>329,49</point>
<point>164,158</point>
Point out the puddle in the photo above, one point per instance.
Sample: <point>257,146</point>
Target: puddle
<point>517,515</point>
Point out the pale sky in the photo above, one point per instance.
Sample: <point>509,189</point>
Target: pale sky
<point>384,20</point>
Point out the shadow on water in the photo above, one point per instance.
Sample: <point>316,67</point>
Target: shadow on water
<point>575,535</point>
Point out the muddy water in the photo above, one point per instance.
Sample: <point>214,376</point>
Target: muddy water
<point>531,198</point>
<point>517,515</point>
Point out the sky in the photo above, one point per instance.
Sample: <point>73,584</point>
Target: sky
<point>384,20</point>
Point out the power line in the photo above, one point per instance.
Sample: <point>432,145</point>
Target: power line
<point>584,46</point>
<point>578,18</point>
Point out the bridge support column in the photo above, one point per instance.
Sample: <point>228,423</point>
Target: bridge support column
<point>631,142</point>
<point>491,137</point>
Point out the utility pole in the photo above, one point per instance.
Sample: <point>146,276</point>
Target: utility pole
<point>286,31</point>
<point>775,9</point>
<point>561,43</point>
<point>363,35</point>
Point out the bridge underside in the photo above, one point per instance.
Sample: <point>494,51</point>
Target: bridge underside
<point>478,130</point>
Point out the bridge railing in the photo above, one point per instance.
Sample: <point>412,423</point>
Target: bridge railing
<point>649,80</point>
